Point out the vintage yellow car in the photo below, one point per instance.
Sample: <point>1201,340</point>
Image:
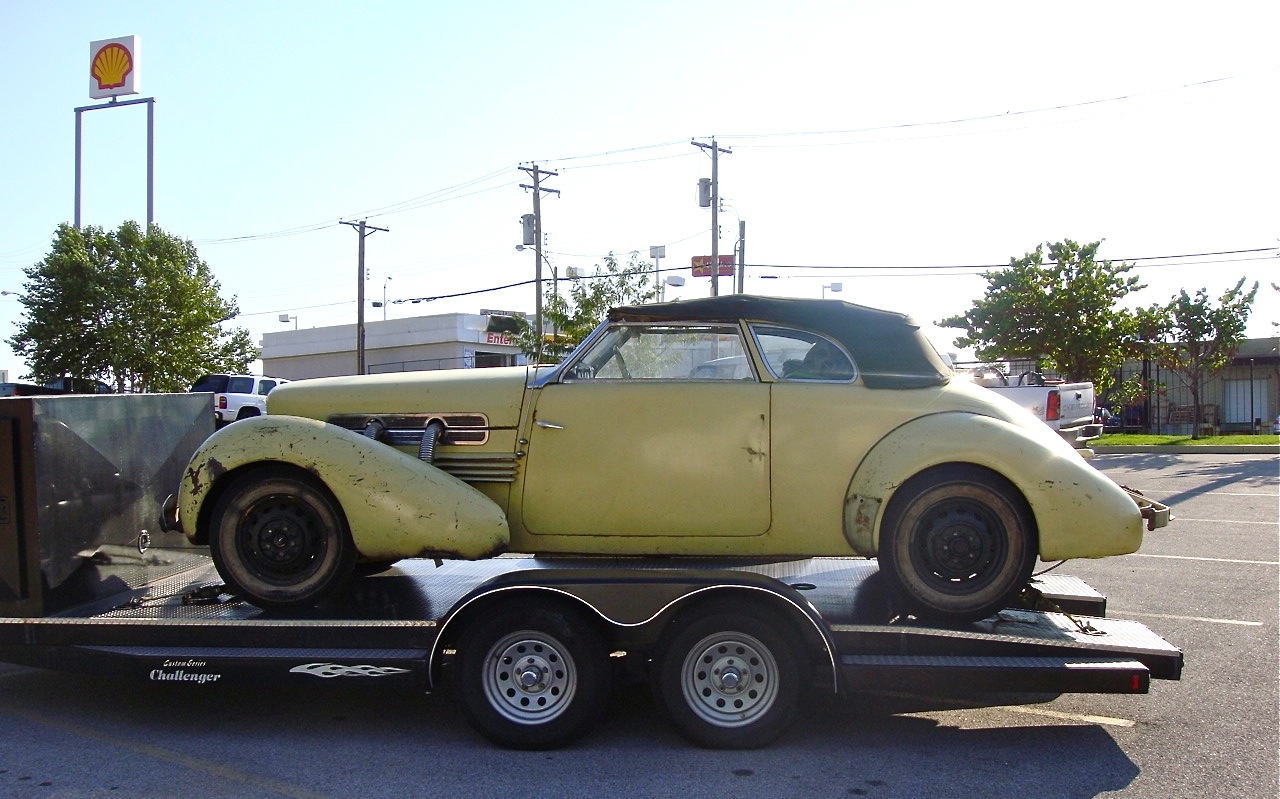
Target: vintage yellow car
<point>736,427</point>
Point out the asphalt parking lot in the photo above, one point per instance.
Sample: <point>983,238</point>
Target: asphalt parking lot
<point>1208,583</point>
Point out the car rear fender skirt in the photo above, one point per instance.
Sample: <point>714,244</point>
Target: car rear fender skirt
<point>396,506</point>
<point>1079,512</point>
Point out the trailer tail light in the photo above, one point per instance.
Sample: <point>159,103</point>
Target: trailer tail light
<point>1054,412</point>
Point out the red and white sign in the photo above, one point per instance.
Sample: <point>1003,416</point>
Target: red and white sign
<point>702,265</point>
<point>499,338</point>
<point>113,67</point>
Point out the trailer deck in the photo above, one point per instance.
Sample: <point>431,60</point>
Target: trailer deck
<point>163,615</point>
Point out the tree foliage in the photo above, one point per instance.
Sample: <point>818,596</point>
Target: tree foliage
<point>1061,312</point>
<point>1195,340</point>
<point>138,311</point>
<point>568,320</point>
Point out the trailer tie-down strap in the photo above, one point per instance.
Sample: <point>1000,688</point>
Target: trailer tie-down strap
<point>1033,598</point>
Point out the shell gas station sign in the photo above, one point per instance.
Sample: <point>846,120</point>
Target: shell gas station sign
<point>113,67</point>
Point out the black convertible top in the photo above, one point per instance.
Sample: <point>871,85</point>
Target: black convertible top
<point>888,347</point>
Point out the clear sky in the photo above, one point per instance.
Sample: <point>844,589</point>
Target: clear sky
<point>869,141</point>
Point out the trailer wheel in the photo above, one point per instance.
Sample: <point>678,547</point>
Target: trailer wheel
<point>279,539</point>
<point>533,677</point>
<point>729,679</point>
<point>958,544</point>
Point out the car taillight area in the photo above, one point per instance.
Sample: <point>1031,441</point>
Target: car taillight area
<point>1054,412</point>
<point>222,402</point>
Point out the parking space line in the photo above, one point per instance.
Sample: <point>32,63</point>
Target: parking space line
<point>1213,560</point>
<point>961,704</point>
<point>1223,521</point>
<point>1122,613</point>
<point>1054,714</point>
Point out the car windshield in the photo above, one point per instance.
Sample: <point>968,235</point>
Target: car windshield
<point>665,352</point>
<point>213,383</point>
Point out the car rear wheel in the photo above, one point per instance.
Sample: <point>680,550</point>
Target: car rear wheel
<point>534,676</point>
<point>279,538</point>
<point>958,544</point>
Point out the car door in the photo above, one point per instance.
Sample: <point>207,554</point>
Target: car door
<point>657,430</point>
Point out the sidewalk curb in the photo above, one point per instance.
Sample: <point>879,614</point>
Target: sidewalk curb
<point>1208,449</point>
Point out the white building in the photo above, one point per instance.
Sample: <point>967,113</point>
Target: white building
<point>444,341</point>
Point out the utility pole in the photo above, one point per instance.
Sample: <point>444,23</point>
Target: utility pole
<point>365,230</point>
<point>742,257</point>
<point>715,210</point>
<point>537,174</point>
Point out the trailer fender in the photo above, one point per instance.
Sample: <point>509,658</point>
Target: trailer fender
<point>396,506</point>
<point>1079,512</point>
<point>639,608</point>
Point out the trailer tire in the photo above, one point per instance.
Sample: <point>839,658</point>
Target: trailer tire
<point>279,539</point>
<point>562,684</point>
<point>729,678</point>
<point>958,544</point>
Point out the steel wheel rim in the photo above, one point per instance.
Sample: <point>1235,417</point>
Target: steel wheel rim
<point>957,545</point>
<point>280,538</point>
<point>529,678</point>
<point>729,679</point>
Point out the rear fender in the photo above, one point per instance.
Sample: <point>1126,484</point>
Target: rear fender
<point>1079,512</point>
<point>396,506</point>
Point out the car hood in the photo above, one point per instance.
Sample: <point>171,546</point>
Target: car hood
<point>497,393</point>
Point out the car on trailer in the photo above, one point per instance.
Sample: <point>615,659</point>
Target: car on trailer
<point>736,426</point>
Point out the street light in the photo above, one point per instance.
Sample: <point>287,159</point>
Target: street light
<point>836,288</point>
<point>675,281</point>
<point>286,318</point>
<point>384,298</point>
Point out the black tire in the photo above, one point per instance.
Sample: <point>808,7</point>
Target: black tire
<point>534,676</point>
<point>729,678</point>
<point>958,544</point>
<point>279,539</point>
<point>248,413</point>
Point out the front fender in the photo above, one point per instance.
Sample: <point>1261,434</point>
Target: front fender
<point>396,506</point>
<point>1079,512</point>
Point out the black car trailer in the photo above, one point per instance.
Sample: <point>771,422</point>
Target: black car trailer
<point>533,645</point>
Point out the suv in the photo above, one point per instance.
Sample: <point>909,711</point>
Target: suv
<point>237,396</point>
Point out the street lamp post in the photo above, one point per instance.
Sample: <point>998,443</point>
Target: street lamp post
<point>286,318</point>
<point>836,288</point>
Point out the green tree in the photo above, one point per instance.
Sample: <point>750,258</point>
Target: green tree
<point>568,320</point>
<point>1195,340</point>
<point>1061,313</point>
<point>138,311</point>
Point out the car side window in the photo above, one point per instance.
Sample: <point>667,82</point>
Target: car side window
<point>665,352</point>
<point>265,387</point>
<point>801,355</point>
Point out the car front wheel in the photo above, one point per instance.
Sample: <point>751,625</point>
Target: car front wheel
<point>958,544</point>
<point>279,538</point>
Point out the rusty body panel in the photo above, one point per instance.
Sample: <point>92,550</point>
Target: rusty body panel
<point>396,506</point>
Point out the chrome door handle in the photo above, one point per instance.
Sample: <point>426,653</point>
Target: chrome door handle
<point>549,425</point>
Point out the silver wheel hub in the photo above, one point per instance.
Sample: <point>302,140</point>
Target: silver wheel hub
<point>528,678</point>
<point>729,679</point>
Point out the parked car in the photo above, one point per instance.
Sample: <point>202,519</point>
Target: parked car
<point>237,397</point>
<point>847,437</point>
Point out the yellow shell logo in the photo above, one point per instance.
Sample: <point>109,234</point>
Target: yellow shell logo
<point>111,66</point>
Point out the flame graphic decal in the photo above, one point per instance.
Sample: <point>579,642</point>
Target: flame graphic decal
<point>111,66</point>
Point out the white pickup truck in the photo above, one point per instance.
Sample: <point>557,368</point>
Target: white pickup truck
<point>1066,407</point>
<point>237,396</point>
